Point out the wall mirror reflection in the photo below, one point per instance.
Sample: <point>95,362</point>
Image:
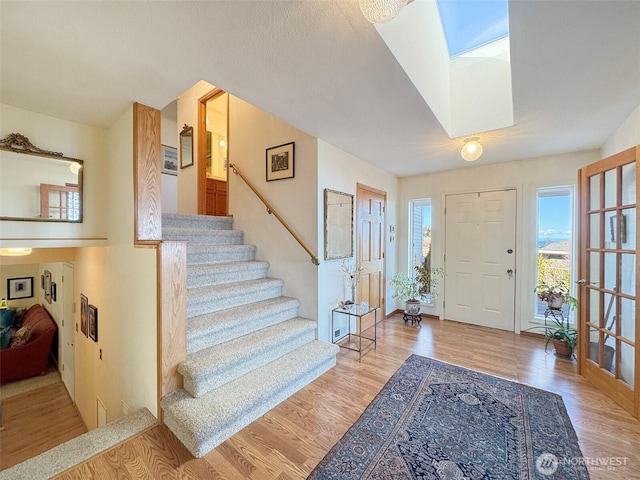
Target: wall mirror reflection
<point>338,224</point>
<point>186,146</point>
<point>37,184</point>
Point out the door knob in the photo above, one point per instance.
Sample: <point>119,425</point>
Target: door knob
<point>581,281</point>
<point>510,273</point>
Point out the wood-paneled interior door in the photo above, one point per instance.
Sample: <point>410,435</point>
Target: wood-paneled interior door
<point>370,242</point>
<point>609,323</point>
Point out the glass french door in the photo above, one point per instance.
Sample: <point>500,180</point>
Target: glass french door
<point>608,319</point>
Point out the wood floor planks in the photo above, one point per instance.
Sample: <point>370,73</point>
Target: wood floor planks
<point>288,441</point>
<point>37,421</point>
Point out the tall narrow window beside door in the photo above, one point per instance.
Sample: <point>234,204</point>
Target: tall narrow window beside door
<point>420,237</point>
<point>554,237</point>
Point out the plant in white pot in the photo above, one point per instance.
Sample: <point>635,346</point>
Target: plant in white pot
<point>413,290</point>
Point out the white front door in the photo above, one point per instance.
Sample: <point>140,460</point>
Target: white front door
<point>68,331</point>
<point>480,258</point>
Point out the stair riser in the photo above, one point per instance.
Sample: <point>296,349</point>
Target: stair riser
<point>203,222</point>
<point>220,256</point>
<point>217,336</point>
<point>223,276</point>
<point>214,303</point>
<point>216,378</point>
<point>207,441</point>
<point>215,237</point>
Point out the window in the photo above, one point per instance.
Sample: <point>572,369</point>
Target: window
<point>554,240</point>
<point>420,234</point>
<point>60,202</point>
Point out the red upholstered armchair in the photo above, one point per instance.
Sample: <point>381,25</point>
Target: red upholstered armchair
<point>32,358</point>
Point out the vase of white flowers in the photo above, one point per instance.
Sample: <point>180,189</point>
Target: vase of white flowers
<point>352,272</point>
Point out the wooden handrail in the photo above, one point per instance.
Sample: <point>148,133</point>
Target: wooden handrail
<point>270,210</point>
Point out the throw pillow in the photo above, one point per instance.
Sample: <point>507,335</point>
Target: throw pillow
<point>21,336</point>
<point>5,337</point>
<point>7,317</point>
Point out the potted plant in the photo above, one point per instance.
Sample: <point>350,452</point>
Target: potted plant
<point>563,335</point>
<point>555,294</point>
<point>413,290</point>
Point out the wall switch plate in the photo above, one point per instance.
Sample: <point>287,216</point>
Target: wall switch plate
<point>125,407</point>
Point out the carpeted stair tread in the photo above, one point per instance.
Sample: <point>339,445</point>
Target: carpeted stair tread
<point>80,449</point>
<point>224,325</point>
<point>203,423</point>
<point>220,273</point>
<point>213,298</point>
<point>172,220</point>
<point>212,367</point>
<point>204,237</point>
<point>208,254</point>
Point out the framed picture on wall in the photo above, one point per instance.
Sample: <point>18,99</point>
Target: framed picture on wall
<point>84,315</point>
<point>93,323</point>
<point>19,288</point>
<point>280,162</point>
<point>47,286</point>
<point>169,160</point>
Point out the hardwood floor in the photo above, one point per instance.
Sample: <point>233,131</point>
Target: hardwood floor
<point>35,422</point>
<point>291,439</point>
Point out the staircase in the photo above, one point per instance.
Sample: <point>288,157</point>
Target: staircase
<point>247,348</point>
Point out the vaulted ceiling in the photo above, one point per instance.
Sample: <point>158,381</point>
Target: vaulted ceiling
<point>320,66</point>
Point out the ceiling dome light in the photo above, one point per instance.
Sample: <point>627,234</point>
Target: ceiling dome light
<point>472,149</point>
<point>381,11</point>
<point>75,168</point>
<point>14,252</point>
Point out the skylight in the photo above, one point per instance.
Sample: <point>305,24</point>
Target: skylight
<point>470,24</point>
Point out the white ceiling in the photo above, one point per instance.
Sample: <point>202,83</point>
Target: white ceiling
<point>320,66</point>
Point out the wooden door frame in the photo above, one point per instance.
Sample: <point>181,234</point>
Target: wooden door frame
<point>360,187</point>
<point>202,146</point>
<point>586,368</point>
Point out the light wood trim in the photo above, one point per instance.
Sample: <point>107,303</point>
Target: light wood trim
<point>172,314</point>
<point>314,257</point>
<point>202,147</point>
<point>626,396</point>
<point>146,175</point>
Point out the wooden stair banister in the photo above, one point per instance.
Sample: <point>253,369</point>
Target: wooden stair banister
<point>270,210</point>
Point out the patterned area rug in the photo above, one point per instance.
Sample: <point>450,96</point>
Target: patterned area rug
<point>433,420</point>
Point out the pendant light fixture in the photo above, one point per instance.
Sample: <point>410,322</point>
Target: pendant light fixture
<point>381,11</point>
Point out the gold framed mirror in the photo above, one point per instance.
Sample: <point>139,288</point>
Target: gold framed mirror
<point>38,185</point>
<point>186,146</point>
<point>338,224</point>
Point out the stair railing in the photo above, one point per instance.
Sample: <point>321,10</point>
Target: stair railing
<point>270,210</point>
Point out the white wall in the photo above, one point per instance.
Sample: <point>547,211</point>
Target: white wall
<point>251,132</point>
<point>169,187</point>
<point>73,140</point>
<point>338,170</point>
<point>523,175</point>
<point>626,136</point>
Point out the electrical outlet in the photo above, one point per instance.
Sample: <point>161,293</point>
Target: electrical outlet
<point>125,407</point>
<point>336,333</point>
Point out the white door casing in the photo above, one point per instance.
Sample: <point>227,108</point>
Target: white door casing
<point>480,258</point>
<point>68,331</point>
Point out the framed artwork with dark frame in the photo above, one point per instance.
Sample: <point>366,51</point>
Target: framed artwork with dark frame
<point>280,162</point>
<point>18,288</point>
<point>93,323</point>
<point>186,146</point>
<point>84,314</point>
<point>169,160</point>
<point>47,286</point>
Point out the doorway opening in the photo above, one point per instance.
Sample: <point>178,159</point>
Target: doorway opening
<point>213,148</point>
